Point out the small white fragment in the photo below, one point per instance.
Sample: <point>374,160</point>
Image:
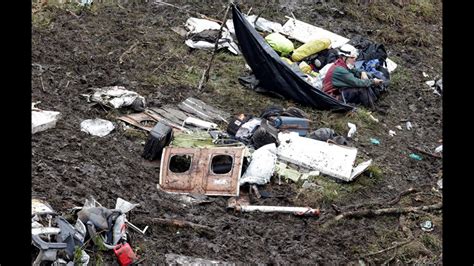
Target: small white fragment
<point>352,129</point>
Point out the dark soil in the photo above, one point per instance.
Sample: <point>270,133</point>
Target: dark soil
<point>77,49</point>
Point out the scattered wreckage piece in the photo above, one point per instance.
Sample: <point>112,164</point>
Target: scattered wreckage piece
<point>241,205</point>
<point>171,114</point>
<point>97,127</point>
<point>284,170</point>
<point>140,120</point>
<point>261,167</point>
<point>259,23</point>
<point>203,32</point>
<point>202,110</point>
<point>330,159</point>
<point>56,235</point>
<point>436,86</point>
<point>390,65</point>
<point>42,120</point>
<point>199,123</point>
<point>352,129</point>
<point>117,97</point>
<point>109,224</point>
<point>155,113</point>
<point>304,32</point>
<point>190,114</point>
<point>112,225</point>
<point>211,171</point>
<point>39,207</point>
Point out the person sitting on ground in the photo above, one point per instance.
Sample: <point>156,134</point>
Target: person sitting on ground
<point>345,83</point>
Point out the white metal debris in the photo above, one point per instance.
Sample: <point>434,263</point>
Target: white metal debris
<point>199,123</point>
<point>42,120</point>
<point>97,127</point>
<point>440,183</point>
<point>390,65</point>
<point>124,205</point>
<point>117,96</point>
<point>392,133</point>
<point>304,32</point>
<point>409,126</point>
<point>430,83</point>
<point>359,169</point>
<point>330,159</point>
<point>352,129</point>
<point>262,24</point>
<point>261,167</point>
<point>197,25</point>
<point>439,149</point>
<point>427,226</point>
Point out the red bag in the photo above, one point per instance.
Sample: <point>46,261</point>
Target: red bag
<point>125,254</point>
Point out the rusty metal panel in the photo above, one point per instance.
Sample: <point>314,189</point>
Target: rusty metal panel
<point>201,172</point>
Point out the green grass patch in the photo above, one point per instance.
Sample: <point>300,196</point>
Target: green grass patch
<point>77,256</point>
<point>135,134</point>
<point>431,242</point>
<point>42,19</point>
<point>330,191</point>
<point>424,9</point>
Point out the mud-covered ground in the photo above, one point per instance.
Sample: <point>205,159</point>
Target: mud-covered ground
<point>76,49</point>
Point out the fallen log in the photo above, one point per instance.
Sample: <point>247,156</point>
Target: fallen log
<point>404,193</point>
<point>385,211</point>
<point>425,152</point>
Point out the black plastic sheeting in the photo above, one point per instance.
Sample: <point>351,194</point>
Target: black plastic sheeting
<point>274,74</point>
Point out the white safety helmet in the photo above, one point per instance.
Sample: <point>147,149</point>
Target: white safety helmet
<point>348,50</point>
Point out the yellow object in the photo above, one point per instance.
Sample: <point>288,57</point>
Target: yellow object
<point>310,48</point>
<point>286,60</point>
<point>280,43</point>
<point>305,67</point>
<point>314,73</point>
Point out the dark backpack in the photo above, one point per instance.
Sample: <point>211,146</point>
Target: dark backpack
<point>237,122</point>
<point>265,134</point>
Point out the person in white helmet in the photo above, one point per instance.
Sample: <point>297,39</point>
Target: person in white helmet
<point>345,83</point>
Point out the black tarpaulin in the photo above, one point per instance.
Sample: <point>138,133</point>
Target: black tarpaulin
<point>274,74</point>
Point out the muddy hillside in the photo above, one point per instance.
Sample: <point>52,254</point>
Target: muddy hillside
<point>137,45</point>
